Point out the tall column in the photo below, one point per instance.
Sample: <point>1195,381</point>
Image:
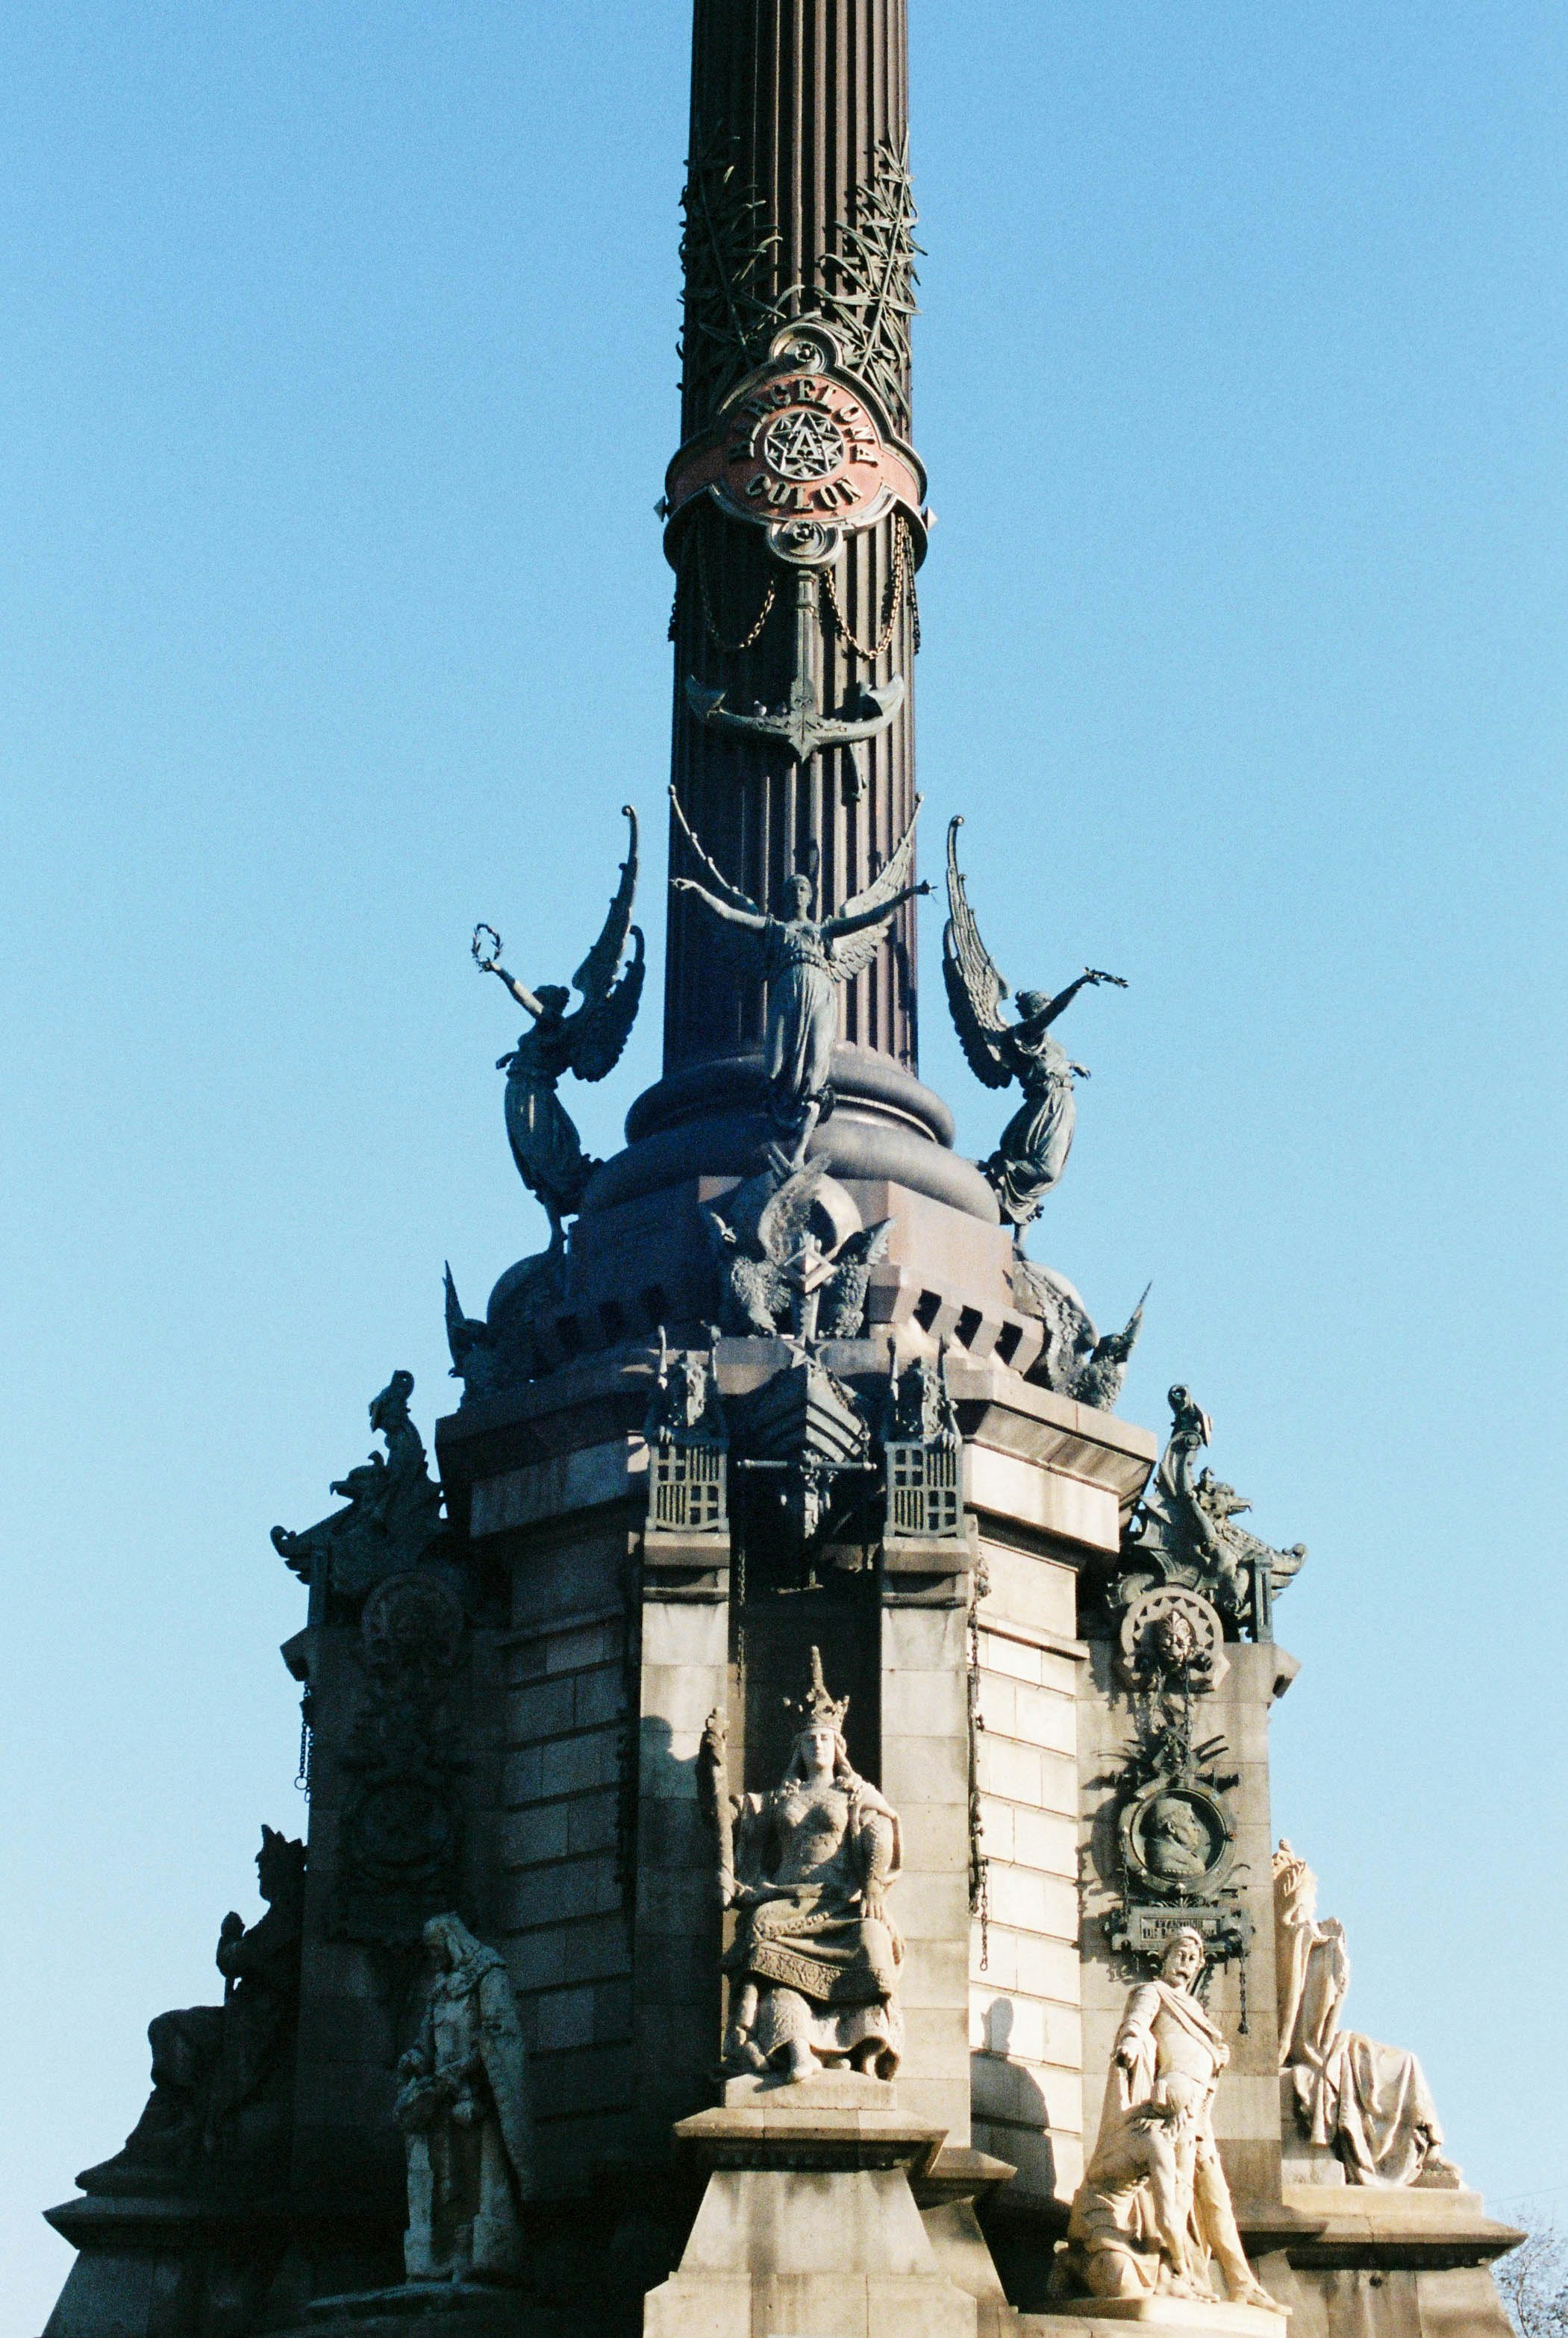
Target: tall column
<point>797,207</point>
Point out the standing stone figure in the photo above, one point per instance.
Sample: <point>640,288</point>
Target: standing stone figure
<point>1369,2104</point>
<point>1154,2206</point>
<point>543,1139</point>
<point>465,2114</point>
<point>815,1963</point>
<point>803,961</point>
<point>1034,1145</point>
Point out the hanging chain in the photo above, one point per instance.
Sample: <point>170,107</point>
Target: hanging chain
<point>307,1737</point>
<point>754,633</point>
<point>979,1865</point>
<point>896,585</point>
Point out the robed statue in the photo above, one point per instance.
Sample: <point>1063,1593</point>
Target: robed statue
<point>588,1042</point>
<point>1367,2103</point>
<point>465,2113</point>
<point>1154,2207</point>
<point>803,958</point>
<point>813,1967</point>
<point>1032,1152</point>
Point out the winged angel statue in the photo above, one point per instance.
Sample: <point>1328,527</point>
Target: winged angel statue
<point>1035,1144</point>
<point>804,960</point>
<point>545,1143</point>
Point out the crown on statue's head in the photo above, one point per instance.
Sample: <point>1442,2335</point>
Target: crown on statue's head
<point>816,1710</point>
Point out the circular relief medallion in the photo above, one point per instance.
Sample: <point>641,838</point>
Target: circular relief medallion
<point>1172,1632</point>
<point>412,1619</point>
<point>1176,1839</point>
<point>803,447</point>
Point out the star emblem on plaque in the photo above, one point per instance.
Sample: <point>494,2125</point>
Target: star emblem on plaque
<point>803,449</point>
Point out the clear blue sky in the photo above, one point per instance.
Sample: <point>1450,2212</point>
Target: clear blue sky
<point>340,380</point>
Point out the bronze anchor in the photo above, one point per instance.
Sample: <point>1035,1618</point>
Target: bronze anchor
<point>800,725</point>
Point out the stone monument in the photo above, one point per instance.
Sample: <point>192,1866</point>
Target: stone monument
<point>789,1846</point>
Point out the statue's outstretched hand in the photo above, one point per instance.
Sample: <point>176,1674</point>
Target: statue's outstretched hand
<point>1096,973</point>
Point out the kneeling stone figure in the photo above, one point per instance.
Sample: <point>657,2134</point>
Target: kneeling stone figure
<point>1154,2207</point>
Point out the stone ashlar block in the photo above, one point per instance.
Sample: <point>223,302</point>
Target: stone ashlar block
<point>1037,1593</point>
<point>1049,1968</point>
<point>1047,1840</point>
<point>593,1822</point>
<point>927,1907</point>
<point>1028,1901</point>
<point>934,1973</point>
<point>679,1696</point>
<point>925,1769</point>
<point>531,1836</point>
<point>599,1696</point>
<point>592,1949</point>
<point>682,1633</point>
<point>575,1765</point>
<point>1042,1717</point>
<point>1031,2095</point>
<point>1025,2029</point>
<point>925,1640</point>
<point>924,1704</point>
<point>936,1838</point>
<point>1049,2166</point>
<point>540,1709</point>
<point>672,1901</point>
<point>1016,1660</point>
<point>588,2079</point>
<point>555,1895</point>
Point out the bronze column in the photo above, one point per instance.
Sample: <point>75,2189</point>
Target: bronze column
<point>796,208</point>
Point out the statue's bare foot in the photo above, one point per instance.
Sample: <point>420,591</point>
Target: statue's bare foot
<point>801,2065</point>
<point>742,2054</point>
<point>1252,2293</point>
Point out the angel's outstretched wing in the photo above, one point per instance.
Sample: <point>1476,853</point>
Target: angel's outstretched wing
<point>717,881</point>
<point>975,986</point>
<point>783,1225</point>
<point>851,954</point>
<point>600,1027</point>
<point>598,970</point>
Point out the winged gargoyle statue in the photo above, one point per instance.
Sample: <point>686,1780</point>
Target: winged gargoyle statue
<point>1035,1144</point>
<point>1184,1531</point>
<point>804,959</point>
<point>787,1265</point>
<point>545,1143</point>
<point>1076,1359</point>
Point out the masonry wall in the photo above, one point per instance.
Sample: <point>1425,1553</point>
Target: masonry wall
<point>1025,2025</point>
<point>562,1914</point>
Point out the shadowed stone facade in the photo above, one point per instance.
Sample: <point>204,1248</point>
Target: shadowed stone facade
<point>790,1848</point>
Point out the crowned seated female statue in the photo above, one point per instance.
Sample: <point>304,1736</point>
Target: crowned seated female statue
<point>814,1961</point>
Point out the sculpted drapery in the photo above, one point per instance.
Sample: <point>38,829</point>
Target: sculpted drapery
<point>1368,2103</point>
<point>814,1960</point>
<point>1154,2208</point>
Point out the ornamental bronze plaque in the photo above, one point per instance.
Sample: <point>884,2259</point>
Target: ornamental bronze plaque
<point>803,449</point>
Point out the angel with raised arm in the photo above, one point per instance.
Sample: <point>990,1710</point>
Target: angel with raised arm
<point>545,1143</point>
<point>804,960</point>
<point>1035,1144</point>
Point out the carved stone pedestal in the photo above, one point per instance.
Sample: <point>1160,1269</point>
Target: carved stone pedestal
<point>429,2310</point>
<point>808,2226</point>
<point>1199,2317</point>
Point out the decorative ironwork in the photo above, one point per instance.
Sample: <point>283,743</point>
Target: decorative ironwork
<point>868,281</point>
<point>728,257</point>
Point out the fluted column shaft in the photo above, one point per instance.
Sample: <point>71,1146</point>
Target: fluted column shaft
<point>796,205</point>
